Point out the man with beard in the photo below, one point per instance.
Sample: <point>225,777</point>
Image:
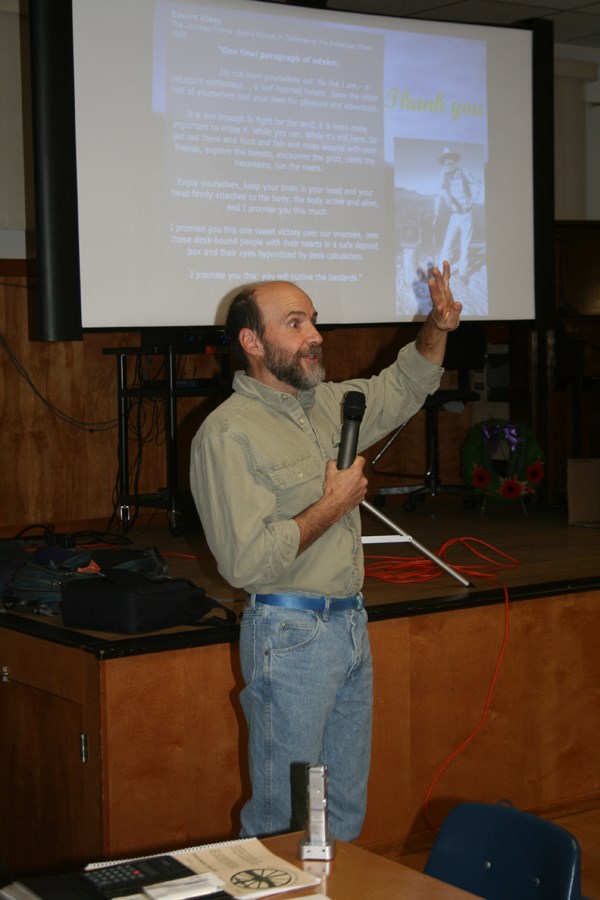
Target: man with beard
<point>284,523</point>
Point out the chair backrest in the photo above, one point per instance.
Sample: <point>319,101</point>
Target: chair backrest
<point>502,853</point>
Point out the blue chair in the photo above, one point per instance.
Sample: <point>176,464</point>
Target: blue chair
<point>499,852</point>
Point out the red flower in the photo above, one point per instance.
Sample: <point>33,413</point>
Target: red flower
<point>481,477</point>
<point>510,488</point>
<point>535,472</point>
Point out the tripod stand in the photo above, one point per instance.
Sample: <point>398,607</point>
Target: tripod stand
<point>401,536</point>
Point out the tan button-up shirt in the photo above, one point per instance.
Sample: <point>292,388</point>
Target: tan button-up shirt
<point>259,459</point>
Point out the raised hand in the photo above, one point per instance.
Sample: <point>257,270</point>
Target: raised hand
<point>446,310</point>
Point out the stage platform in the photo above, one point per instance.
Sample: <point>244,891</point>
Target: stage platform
<point>506,690</point>
<point>532,550</point>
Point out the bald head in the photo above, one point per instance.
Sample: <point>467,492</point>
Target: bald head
<point>272,324</point>
<point>249,307</point>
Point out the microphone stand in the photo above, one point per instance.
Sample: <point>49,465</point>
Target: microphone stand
<point>402,536</point>
<point>354,408</point>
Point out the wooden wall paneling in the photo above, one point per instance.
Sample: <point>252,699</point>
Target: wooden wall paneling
<point>167,739</point>
<point>519,752</point>
<point>34,829</point>
<point>94,827</point>
<point>550,692</point>
<point>405,454</point>
<point>191,411</point>
<point>537,746</point>
<point>54,472</point>
<point>389,809</point>
<point>453,663</point>
<point>49,457</point>
<point>360,352</point>
<point>175,750</point>
<point>51,797</point>
<point>99,403</point>
<point>51,470</point>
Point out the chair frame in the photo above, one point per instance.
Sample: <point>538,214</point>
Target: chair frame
<point>499,852</point>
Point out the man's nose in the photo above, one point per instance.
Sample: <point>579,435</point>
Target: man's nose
<point>315,336</point>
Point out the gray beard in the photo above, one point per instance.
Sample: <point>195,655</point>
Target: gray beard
<point>290,371</point>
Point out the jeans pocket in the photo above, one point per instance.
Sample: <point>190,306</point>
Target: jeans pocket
<point>266,630</point>
<point>295,630</point>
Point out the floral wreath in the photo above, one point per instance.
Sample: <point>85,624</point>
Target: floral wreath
<point>501,460</point>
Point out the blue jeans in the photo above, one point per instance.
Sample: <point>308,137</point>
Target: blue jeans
<point>309,699</point>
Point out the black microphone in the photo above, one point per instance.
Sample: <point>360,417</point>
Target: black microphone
<point>354,410</point>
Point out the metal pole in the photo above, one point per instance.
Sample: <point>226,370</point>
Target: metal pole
<point>407,537</point>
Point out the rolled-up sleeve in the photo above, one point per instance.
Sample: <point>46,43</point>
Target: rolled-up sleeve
<point>398,393</point>
<point>392,397</point>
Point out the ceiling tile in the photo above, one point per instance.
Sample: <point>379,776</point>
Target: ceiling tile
<point>573,26</point>
<point>487,12</point>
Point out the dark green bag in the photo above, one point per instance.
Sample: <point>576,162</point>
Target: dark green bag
<point>38,585</point>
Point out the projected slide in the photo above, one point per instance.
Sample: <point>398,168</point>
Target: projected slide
<point>311,153</point>
<point>238,141</point>
<point>436,140</point>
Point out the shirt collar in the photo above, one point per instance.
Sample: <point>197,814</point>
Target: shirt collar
<point>250,387</point>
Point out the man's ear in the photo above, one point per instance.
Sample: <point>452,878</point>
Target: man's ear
<point>250,342</point>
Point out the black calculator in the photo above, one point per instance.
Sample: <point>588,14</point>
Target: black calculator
<point>124,878</point>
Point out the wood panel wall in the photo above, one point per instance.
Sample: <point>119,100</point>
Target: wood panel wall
<point>52,467</point>
<point>537,743</point>
<point>58,469</point>
<point>178,777</point>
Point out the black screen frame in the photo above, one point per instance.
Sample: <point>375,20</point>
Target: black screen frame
<point>57,285</point>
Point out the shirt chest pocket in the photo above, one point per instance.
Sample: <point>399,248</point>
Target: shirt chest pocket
<point>296,484</point>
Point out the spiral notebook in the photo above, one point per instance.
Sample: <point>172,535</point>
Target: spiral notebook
<point>245,866</point>
<point>242,868</point>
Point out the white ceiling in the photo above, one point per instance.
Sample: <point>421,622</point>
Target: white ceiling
<point>576,22</point>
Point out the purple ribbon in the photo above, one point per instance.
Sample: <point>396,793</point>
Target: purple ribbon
<point>493,434</point>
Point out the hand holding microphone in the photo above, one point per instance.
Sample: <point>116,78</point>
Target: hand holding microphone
<point>349,487</point>
<point>345,486</point>
<point>354,410</point>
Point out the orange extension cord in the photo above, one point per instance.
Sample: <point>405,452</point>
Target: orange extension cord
<point>399,570</point>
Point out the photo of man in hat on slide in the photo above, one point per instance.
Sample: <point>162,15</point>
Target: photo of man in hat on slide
<point>455,196</point>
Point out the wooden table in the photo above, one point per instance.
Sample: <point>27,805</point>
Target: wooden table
<point>356,874</point>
